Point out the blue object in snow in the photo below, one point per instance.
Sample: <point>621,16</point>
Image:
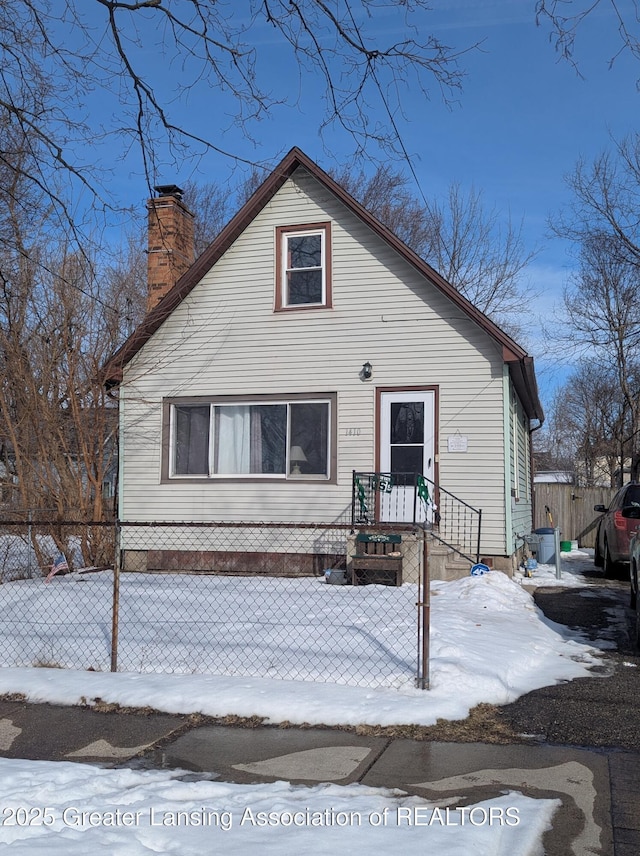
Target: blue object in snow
<point>479,569</point>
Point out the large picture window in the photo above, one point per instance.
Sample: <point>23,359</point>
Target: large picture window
<point>303,266</point>
<point>286,439</point>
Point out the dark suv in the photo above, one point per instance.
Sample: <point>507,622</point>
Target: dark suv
<point>616,526</point>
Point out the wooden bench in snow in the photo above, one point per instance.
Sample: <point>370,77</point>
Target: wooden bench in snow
<point>377,560</point>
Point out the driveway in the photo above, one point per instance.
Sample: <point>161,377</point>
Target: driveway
<point>588,711</point>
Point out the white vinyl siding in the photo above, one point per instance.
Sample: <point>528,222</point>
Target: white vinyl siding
<point>225,339</point>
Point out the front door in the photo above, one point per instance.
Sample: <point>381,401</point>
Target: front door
<point>407,429</point>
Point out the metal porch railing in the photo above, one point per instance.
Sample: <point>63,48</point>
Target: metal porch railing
<point>391,499</point>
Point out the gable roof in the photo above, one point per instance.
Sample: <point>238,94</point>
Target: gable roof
<point>519,362</point>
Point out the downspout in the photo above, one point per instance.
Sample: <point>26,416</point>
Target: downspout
<point>531,473</point>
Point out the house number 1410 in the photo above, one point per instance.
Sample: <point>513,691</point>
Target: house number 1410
<point>352,432</point>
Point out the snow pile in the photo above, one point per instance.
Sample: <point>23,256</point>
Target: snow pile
<point>76,809</point>
<point>492,644</point>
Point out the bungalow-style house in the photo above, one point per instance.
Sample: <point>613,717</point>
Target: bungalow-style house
<point>306,352</point>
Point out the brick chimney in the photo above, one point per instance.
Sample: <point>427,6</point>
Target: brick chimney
<point>170,242</point>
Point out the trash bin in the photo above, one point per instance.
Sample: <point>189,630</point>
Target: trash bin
<point>546,547</point>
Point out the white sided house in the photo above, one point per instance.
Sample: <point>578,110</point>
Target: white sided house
<point>309,368</point>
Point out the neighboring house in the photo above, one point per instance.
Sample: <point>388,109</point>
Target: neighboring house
<point>48,487</point>
<point>604,472</point>
<point>305,343</point>
<point>554,477</point>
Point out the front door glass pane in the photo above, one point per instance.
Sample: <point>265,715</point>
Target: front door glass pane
<point>407,422</point>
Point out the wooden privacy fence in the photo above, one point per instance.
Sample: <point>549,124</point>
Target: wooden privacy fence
<point>571,509</point>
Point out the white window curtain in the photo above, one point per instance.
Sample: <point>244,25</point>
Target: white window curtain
<point>233,439</point>
<point>238,439</point>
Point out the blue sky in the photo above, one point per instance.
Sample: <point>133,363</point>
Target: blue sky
<point>520,123</point>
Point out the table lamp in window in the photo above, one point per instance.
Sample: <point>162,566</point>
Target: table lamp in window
<point>296,457</point>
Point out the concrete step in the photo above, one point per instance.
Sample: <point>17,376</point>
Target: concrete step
<point>445,563</point>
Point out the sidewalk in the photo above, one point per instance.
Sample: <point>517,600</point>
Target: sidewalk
<point>599,791</point>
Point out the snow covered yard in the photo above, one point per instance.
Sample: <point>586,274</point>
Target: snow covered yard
<point>488,643</point>
<point>301,629</point>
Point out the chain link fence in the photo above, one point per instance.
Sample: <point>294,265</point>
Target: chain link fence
<point>66,622</point>
<point>251,599</point>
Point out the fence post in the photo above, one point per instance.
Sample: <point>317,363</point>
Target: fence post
<point>116,600</point>
<point>423,618</point>
<point>29,543</point>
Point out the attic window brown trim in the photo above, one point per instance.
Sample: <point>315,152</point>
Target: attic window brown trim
<point>303,267</point>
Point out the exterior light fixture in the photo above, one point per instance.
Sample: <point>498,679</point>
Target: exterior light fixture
<point>367,371</point>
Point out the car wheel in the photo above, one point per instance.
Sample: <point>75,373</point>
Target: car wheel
<point>610,567</point>
<point>597,555</point>
<point>634,586</point>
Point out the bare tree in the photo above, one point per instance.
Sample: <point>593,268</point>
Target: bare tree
<point>482,255</point>
<point>59,61</point>
<point>61,316</point>
<point>606,198</point>
<point>603,222</point>
<point>588,429</point>
<point>604,314</point>
<point>386,194</point>
<point>478,252</point>
<point>213,205</point>
<point>567,17</point>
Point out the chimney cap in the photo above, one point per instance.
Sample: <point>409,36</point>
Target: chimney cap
<point>168,190</point>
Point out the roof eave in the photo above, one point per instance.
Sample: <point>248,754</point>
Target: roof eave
<point>523,376</point>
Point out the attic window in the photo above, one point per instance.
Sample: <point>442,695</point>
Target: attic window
<point>303,266</point>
